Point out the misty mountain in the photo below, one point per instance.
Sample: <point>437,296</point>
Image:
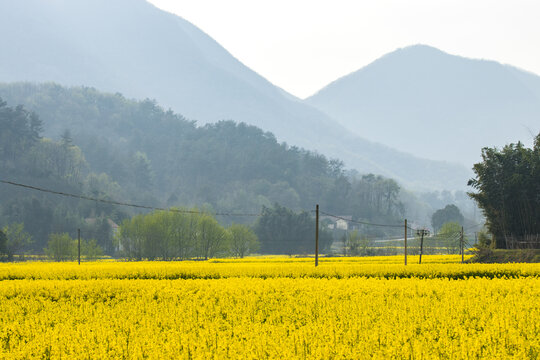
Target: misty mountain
<point>423,101</point>
<point>131,47</point>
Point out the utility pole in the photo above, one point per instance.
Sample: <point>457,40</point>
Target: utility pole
<point>422,233</point>
<point>405,241</point>
<point>462,246</point>
<point>79,244</point>
<point>317,235</point>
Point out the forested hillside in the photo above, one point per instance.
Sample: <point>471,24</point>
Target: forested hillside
<point>106,146</point>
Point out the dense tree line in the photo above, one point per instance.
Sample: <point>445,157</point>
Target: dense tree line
<point>181,235</point>
<point>507,185</point>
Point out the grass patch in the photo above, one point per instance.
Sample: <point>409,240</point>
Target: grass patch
<point>499,256</point>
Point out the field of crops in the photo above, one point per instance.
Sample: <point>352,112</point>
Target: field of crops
<point>279,308</point>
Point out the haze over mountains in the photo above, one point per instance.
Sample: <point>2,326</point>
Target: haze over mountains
<point>129,46</point>
<point>435,105</point>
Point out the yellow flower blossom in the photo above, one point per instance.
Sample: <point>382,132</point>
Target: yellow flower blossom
<point>276,308</point>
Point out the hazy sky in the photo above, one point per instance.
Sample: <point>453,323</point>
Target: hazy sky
<point>302,45</point>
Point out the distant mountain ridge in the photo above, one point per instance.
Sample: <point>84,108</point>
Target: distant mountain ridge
<point>431,104</point>
<point>131,47</point>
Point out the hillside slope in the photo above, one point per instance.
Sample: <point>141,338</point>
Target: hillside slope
<point>428,103</point>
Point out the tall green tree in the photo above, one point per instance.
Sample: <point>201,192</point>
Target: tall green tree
<point>211,237</point>
<point>356,244</point>
<point>20,130</point>
<point>507,185</point>
<point>243,240</point>
<point>131,237</point>
<point>90,249</point>
<point>449,236</point>
<point>450,213</point>
<point>61,247</point>
<point>17,240</point>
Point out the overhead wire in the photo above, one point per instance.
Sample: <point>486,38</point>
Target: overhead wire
<point>359,222</point>
<point>155,208</point>
<point>114,202</point>
<point>476,225</point>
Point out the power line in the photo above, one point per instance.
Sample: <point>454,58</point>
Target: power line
<point>450,236</point>
<point>469,244</point>
<point>146,207</point>
<point>360,222</point>
<point>113,202</point>
<point>474,226</point>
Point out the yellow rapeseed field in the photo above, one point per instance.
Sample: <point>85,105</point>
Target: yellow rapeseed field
<point>277,308</point>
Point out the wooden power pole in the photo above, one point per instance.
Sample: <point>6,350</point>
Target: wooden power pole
<point>462,243</point>
<point>422,233</point>
<point>317,235</point>
<point>79,244</point>
<point>405,241</point>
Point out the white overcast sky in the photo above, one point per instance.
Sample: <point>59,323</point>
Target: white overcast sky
<point>302,45</point>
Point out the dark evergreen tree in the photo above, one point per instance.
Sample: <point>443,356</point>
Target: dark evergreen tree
<point>450,213</point>
<point>507,188</point>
